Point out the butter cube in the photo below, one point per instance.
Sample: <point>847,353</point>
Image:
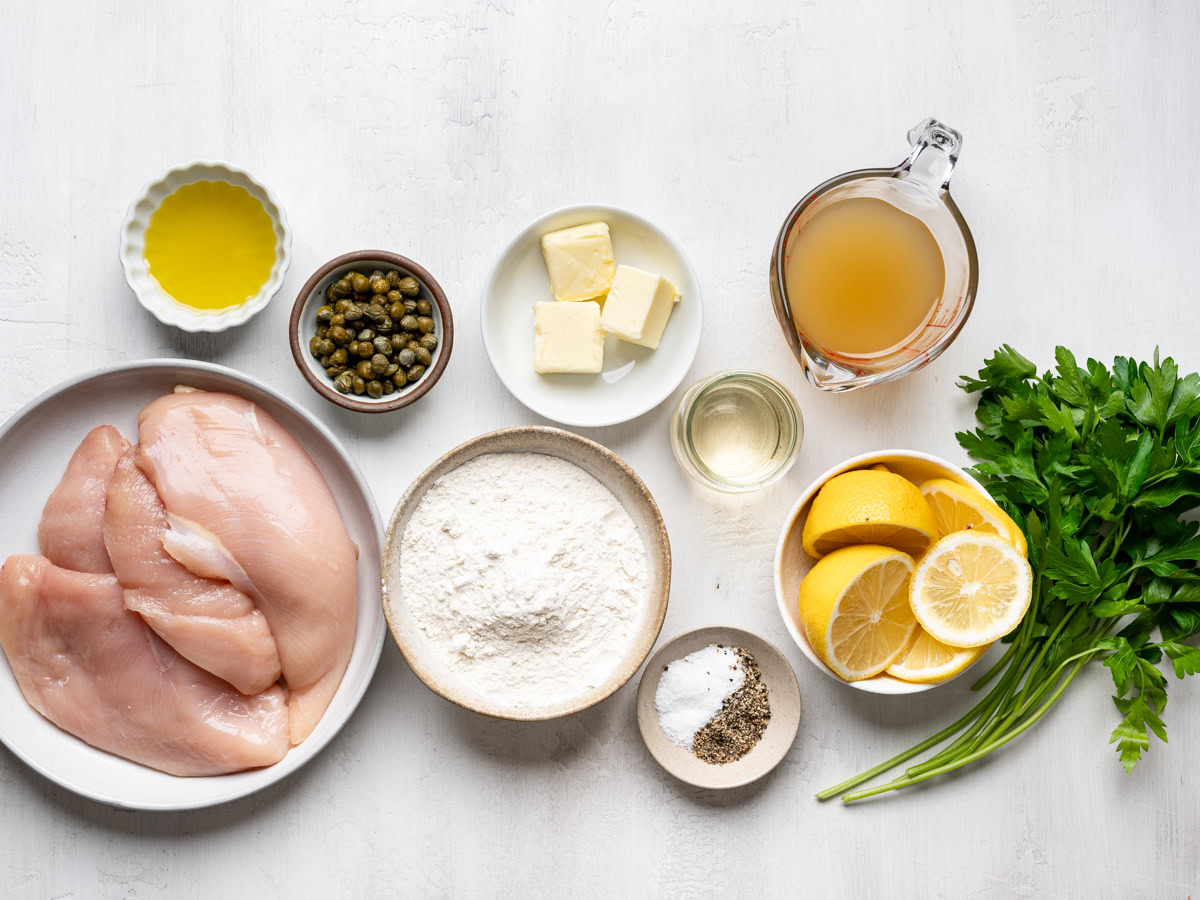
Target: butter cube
<point>567,338</point>
<point>580,261</point>
<point>638,306</point>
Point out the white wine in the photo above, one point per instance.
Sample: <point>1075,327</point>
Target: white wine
<point>740,430</point>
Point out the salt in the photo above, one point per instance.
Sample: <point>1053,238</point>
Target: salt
<point>691,691</point>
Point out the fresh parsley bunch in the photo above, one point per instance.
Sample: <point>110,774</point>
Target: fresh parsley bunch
<point>1098,466</point>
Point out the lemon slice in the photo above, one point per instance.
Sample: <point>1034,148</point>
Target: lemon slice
<point>971,588</point>
<point>929,661</point>
<point>868,506</point>
<point>855,610</point>
<point>957,507</point>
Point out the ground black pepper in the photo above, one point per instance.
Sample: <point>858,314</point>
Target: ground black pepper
<point>733,732</point>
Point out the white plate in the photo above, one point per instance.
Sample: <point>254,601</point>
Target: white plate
<point>792,563</point>
<point>35,445</point>
<point>635,379</point>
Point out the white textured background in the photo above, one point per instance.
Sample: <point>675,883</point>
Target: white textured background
<point>438,129</point>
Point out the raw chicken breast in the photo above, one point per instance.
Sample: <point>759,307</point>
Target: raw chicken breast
<point>245,503</point>
<point>96,670</point>
<point>209,622</point>
<point>69,533</point>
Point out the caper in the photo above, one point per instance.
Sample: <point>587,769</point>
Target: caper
<point>394,296</point>
<point>379,363</point>
<point>327,346</point>
<point>338,319</point>
<point>336,292</point>
<point>343,382</point>
<point>414,372</point>
<point>406,357</point>
<point>410,306</point>
<point>338,334</point>
<point>353,347</point>
<point>409,287</point>
<point>383,345</point>
<point>425,324</point>
<point>399,340</point>
<point>353,314</point>
<point>423,356</point>
<point>367,334</point>
<point>343,284</point>
<point>365,369</point>
<point>385,325</point>
<point>342,305</point>
<point>393,277</point>
<point>424,307</point>
<point>378,273</point>
<point>389,386</point>
<point>409,323</point>
<point>392,370</point>
<point>366,349</point>
<point>358,281</point>
<point>374,389</point>
<point>338,357</point>
<point>334,371</point>
<point>325,313</point>
<point>324,362</point>
<point>314,345</point>
<point>380,286</point>
<point>360,385</point>
<point>413,346</point>
<point>428,341</point>
<point>376,313</point>
<point>322,331</point>
<point>397,310</point>
<point>400,379</point>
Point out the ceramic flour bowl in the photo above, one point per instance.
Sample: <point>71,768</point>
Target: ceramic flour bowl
<point>428,661</point>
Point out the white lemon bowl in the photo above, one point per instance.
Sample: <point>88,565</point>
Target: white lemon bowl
<point>792,563</point>
<point>146,288</point>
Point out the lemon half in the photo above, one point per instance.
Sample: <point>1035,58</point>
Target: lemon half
<point>854,606</point>
<point>957,507</point>
<point>971,588</point>
<point>869,506</point>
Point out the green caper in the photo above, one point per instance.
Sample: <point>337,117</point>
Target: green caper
<point>322,331</point>
<point>410,306</point>
<point>385,325</point>
<point>394,296</point>
<point>406,357</point>
<point>425,324</point>
<point>383,345</point>
<point>409,323</point>
<point>391,370</point>
<point>393,277</point>
<point>365,369</point>
<point>327,346</point>
<point>378,273</point>
<point>389,386</point>
<point>358,281</point>
<point>414,372</point>
<point>324,362</point>
<point>399,340</point>
<point>367,334</point>
<point>374,389</point>
<point>366,349</point>
<point>325,313</point>
<point>400,379</point>
<point>334,371</point>
<point>424,307</point>
<point>343,284</point>
<point>360,385</point>
<point>343,382</point>
<point>353,347</point>
<point>353,314</point>
<point>314,345</point>
<point>337,291</point>
<point>428,341</point>
<point>409,287</point>
<point>342,305</point>
<point>375,313</point>
<point>379,363</point>
<point>397,310</point>
<point>338,334</point>
<point>338,319</point>
<point>380,286</point>
<point>423,356</point>
<point>413,345</point>
<point>338,357</point>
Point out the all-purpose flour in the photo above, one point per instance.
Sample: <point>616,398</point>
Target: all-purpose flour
<point>527,574</point>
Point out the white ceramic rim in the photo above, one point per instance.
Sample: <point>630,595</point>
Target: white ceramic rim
<point>353,700</point>
<point>655,398</point>
<point>147,290</point>
<point>889,686</point>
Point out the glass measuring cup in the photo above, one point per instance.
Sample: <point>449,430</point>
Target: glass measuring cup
<point>919,186</point>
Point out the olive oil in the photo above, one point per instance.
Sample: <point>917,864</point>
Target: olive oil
<point>863,277</point>
<point>210,245</point>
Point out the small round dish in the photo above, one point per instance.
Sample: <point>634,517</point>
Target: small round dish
<point>783,694</point>
<point>303,322</point>
<point>146,288</point>
<point>635,379</point>
<point>792,563</point>
<point>607,468</point>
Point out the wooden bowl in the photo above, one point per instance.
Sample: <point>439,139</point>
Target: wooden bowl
<point>607,468</point>
<point>783,695</point>
<point>303,321</point>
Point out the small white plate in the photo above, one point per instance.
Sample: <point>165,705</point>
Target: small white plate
<point>635,379</point>
<point>146,288</point>
<point>35,445</point>
<point>792,563</point>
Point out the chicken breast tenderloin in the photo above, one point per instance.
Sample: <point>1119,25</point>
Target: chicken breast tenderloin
<point>96,669</point>
<point>245,503</point>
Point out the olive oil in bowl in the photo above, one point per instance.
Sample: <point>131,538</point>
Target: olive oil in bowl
<point>210,245</point>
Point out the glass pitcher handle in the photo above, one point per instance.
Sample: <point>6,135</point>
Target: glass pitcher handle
<point>934,152</point>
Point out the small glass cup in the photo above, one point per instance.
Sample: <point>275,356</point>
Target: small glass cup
<point>919,186</point>
<point>737,431</point>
